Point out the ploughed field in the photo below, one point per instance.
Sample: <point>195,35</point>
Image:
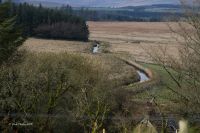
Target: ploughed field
<point>136,38</point>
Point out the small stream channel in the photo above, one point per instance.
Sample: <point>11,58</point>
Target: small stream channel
<point>143,76</point>
<point>95,48</point>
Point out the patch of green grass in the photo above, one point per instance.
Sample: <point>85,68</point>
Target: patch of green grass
<point>161,72</point>
<point>163,95</point>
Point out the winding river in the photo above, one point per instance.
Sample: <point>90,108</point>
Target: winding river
<point>143,76</point>
<point>95,48</point>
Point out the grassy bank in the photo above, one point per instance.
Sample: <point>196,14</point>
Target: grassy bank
<point>163,95</point>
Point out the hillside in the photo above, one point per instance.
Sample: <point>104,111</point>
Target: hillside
<point>102,3</point>
<point>108,5</point>
<point>163,12</point>
<point>111,11</point>
<point>156,8</point>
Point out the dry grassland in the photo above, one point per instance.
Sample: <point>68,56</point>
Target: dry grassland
<point>56,46</point>
<point>136,38</point>
<point>118,71</point>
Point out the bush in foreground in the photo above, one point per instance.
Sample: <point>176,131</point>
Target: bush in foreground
<point>56,93</point>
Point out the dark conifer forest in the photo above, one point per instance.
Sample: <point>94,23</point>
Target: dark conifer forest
<point>49,23</point>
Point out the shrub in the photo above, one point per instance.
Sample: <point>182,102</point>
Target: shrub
<point>55,92</point>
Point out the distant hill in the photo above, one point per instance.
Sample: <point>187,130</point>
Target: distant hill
<point>156,8</point>
<point>44,3</point>
<point>171,6</point>
<point>155,12</point>
<point>143,8</point>
<point>99,3</point>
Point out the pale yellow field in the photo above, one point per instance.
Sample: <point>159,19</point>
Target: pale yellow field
<point>136,38</point>
<point>46,45</point>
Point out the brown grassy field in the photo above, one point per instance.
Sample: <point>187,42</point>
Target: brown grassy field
<point>136,38</point>
<point>131,39</point>
<point>118,71</point>
<point>56,46</point>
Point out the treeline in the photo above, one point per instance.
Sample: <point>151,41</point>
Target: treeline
<point>10,34</point>
<point>126,15</point>
<point>43,22</point>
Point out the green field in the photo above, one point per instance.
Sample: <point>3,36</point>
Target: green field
<point>163,95</point>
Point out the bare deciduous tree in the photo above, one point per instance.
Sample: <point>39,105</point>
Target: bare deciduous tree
<point>184,69</point>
